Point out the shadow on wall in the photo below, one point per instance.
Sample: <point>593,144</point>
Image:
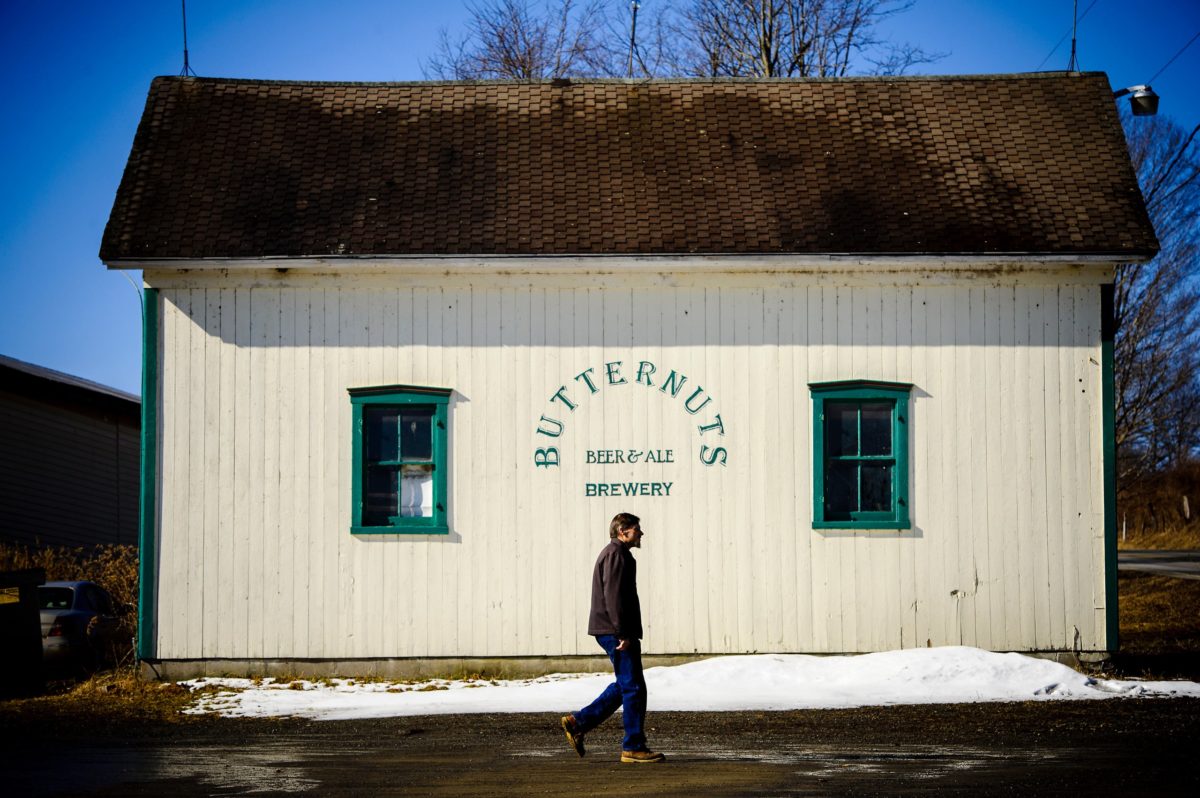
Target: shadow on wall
<point>380,321</point>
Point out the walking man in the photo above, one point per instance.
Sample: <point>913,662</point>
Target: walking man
<point>616,623</point>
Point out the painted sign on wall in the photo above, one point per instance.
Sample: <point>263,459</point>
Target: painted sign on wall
<point>592,384</point>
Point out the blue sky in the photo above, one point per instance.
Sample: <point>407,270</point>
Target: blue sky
<point>77,72</point>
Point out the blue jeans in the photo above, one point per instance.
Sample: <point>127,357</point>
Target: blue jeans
<point>627,692</point>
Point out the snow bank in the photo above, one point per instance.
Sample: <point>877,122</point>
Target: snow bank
<point>954,674</point>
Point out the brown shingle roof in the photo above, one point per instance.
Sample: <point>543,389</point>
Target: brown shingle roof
<point>987,164</point>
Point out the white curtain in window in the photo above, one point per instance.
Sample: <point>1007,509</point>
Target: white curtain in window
<point>416,495</point>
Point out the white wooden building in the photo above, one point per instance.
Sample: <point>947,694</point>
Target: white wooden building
<point>840,344</point>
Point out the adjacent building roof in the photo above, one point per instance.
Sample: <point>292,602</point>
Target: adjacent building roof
<point>14,373</point>
<point>933,165</point>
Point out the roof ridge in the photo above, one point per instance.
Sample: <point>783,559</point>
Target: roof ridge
<point>564,82</point>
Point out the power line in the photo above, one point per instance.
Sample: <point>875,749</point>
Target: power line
<point>1172,59</point>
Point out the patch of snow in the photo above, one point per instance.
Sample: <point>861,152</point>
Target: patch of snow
<point>953,674</point>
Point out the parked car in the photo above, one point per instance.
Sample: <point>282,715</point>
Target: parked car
<point>79,625</point>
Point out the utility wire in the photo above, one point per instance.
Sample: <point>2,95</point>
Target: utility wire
<point>1172,60</point>
<point>1150,195</point>
<point>1065,35</point>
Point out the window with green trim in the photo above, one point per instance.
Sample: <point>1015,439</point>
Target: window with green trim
<point>399,460</point>
<point>860,455</point>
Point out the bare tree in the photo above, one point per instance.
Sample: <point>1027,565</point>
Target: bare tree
<point>516,40</point>
<point>1156,308</point>
<point>790,38</point>
<point>641,36</point>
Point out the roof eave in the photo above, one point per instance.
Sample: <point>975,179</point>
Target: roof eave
<point>631,262</point>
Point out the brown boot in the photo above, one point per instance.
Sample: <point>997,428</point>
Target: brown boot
<point>642,756</point>
<point>574,737</point>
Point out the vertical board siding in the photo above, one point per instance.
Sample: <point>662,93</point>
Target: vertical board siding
<point>60,436</point>
<point>257,561</point>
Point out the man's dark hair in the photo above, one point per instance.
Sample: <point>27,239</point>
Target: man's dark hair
<point>622,521</point>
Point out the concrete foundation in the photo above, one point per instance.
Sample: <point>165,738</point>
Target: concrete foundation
<point>407,669</point>
<point>399,669</point>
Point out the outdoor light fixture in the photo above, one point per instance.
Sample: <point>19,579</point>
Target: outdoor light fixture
<point>1142,100</point>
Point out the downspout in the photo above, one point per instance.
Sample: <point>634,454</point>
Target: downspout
<point>1108,400</point>
<point>147,511</point>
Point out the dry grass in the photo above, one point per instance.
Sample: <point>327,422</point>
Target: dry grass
<point>1159,614</point>
<point>106,698</point>
<point>1171,538</point>
<point>115,568</point>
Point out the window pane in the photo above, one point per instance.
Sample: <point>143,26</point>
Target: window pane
<point>841,489</point>
<point>379,425</point>
<point>55,598</point>
<point>416,433</point>
<point>876,487</point>
<point>841,429</point>
<point>382,496</point>
<point>876,429</point>
<point>416,492</point>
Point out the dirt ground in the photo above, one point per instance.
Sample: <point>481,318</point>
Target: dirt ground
<point>1126,746</point>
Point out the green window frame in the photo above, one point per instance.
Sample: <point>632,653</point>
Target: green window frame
<point>860,455</point>
<point>399,479</point>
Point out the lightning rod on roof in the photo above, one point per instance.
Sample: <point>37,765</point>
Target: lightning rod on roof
<point>1073,64</point>
<point>632,35</point>
<point>187,69</point>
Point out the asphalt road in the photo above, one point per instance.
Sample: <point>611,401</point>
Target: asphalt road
<point>1184,564</point>
<point>1117,746</point>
